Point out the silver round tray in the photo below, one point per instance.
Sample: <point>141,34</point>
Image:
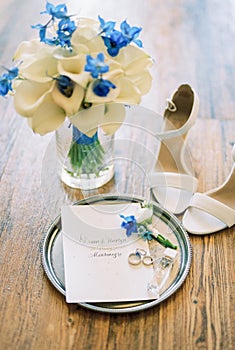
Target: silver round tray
<point>170,226</point>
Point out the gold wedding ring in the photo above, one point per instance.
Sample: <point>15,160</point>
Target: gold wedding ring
<point>134,259</point>
<point>147,260</point>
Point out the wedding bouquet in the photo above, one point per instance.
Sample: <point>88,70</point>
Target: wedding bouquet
<point>80,69</point>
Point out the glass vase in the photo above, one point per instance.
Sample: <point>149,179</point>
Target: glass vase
<point>84,162</point>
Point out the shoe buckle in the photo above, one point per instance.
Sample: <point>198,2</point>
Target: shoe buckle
<point>170,105</point>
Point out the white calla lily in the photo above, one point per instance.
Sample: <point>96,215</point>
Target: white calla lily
<point>74,69</point>
<point>41,70</point>
<point>131,54</point>
<point>138,65</point>
<point>143,82</point>
<point>29,97</point>
<point>88,120</point>
<point>69,104</point>
<point>96,44</point>
<point>28,49</point>
<point>128,92</point>
<point>87,29</point>
<point>113,117</point>
<point>47,117</point>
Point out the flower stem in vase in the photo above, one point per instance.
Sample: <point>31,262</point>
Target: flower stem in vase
<point>86,153</point>
<point>84,162</point>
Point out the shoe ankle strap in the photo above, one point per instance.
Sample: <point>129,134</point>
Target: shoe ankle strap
<point>166,135</point>
<point>171,106</point>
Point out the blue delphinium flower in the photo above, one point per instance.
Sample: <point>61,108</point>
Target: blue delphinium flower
<point>5,86</point>
<point>66,27</point>
<point>96,66</point>
<point>131,33</point>
<point>42,31</point>
<point>114,42</point>
<point>12,73</point>
<point>101,87</point>
<point>114,39</point>
<point>6,80</point>
<point>129,224</point>
<point>106,27</point>
<point>58,11</point>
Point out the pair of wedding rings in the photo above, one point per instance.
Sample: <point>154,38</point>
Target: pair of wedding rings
<point>140,255</point>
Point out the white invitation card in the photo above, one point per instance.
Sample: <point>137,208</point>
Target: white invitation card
<point>96,251</point>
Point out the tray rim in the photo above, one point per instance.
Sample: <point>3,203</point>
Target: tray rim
<point>46,246</point>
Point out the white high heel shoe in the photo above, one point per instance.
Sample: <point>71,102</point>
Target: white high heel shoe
<point>171,181</point>
<point>214,210</point>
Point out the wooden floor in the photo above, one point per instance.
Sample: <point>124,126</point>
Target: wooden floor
<point>191,41</point>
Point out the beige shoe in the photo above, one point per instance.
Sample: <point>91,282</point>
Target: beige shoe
<point>171,181</point>
<point>214,210</point>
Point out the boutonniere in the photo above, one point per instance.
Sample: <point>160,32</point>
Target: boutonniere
<point>142,224</point>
